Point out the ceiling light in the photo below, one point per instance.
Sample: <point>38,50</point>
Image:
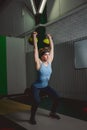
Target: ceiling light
<point>42,6</point>
<point>33,6</point>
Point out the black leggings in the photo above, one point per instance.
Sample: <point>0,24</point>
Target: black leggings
<point>37,99</point>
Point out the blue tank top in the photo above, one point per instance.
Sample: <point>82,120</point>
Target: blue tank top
<point>44,74</point>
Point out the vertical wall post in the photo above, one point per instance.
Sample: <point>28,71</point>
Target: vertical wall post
<point>3,66</point>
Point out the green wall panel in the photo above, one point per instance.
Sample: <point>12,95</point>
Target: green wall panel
<point>3,71</point>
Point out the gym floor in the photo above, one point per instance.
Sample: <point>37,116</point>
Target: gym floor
<point>16,112</point>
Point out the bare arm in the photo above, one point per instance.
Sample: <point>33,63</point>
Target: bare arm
<point>36,53</point>
<point>51,48</point>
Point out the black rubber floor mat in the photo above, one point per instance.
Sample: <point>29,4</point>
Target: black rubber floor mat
<point>6,124</point>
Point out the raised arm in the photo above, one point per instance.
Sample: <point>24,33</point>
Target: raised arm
<point>36,53</point>
<point>51,47</point>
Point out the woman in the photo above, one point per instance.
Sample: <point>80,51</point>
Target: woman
<point>43,60</point>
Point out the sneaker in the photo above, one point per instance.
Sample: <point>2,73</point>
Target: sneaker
<point>54,115</point>
<point>32,121</point>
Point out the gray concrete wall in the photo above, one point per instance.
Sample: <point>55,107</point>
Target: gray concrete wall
<point>70,82</point>
<point>16,65</point>
<point>15,19</point>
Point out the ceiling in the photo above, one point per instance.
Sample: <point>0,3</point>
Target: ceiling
<point>4,4</point>
<point>50,5</point>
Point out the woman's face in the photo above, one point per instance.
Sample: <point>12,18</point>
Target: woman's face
<point>45,56</point>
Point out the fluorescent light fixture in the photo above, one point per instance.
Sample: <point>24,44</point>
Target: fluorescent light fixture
<point>33,6</point>
<point>42,6</point>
